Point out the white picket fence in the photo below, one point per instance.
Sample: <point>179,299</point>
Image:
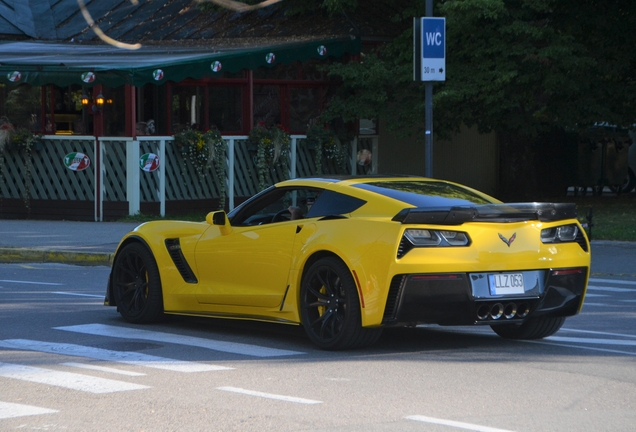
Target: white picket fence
<point>114,173</point>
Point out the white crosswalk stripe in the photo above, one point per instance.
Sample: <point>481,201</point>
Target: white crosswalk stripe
<point>591,341</point>
<point>131,333</point>
<point>11,410</point>
<point>455,424</point>
<point>102,369</point>
<point>269,395</point>
<point>623,335</point>
<point>68,380</point>
<point>615,295</point>
<point>596,343</point>
<point>612,281</point>
<point>609,289</point>
<point>128,357</point>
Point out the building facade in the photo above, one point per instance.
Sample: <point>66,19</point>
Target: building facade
<point>191,70</point>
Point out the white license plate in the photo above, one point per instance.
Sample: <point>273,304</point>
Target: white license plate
<point>506,283</point>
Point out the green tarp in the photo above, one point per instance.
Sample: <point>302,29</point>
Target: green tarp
<point>41,63</point>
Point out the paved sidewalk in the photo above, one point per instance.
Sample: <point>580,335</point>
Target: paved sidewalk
<point>78,243</point>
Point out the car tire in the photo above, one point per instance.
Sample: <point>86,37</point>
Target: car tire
<point>534,328</point>
<point>136,285</point>
<point>330,307</point>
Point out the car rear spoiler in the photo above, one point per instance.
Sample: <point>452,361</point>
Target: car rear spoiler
<point>544,212</point>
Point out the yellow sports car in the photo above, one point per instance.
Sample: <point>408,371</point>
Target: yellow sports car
<point>346,257</point>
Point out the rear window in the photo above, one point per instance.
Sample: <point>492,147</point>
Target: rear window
<point>333,203</point>
<point>425,193</point>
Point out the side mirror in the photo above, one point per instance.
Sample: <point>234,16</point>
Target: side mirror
<point>219,218</point>
<point>216,218</point>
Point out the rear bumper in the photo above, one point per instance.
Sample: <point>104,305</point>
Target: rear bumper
<point>453,299</point>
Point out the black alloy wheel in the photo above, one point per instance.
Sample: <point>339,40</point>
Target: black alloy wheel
<point>330,307</point>
<point>137,285</point>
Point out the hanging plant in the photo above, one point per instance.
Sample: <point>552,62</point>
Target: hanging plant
<point>20,140</point>
<point>194,149</point>
<point>218,156</point>
<point>203,150</point>
<point>325,143</point>
<point>5,133</point>
<point>23,140</point>
<point>272,151</point>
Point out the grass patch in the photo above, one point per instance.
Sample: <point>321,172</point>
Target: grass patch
<point>614,217</point>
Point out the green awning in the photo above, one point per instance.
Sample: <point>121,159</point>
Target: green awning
<point>41,63</point>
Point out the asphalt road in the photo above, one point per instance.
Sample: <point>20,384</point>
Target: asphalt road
<point>69,363</point>
<point>614,258</point>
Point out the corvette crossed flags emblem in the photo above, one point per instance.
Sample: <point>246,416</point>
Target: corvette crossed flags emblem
<point>508,241</point>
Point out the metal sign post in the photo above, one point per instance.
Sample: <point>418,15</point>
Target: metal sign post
<point>429,55</point>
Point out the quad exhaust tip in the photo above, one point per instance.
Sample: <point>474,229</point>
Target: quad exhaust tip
<point>498,311</point>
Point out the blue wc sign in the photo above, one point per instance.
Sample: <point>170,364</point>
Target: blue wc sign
<point>430,49</point>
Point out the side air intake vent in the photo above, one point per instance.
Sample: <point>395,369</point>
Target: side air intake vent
<point>174,249</point>
<point>404,247</point>
<point>580,239</point>
<point>393,299</point>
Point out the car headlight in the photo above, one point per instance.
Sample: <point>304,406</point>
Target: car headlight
<point>414,237</point>
<point>565,233</point>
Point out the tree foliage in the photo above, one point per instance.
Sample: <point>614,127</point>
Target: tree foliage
<point>513,66</point>
<point>522,67</point>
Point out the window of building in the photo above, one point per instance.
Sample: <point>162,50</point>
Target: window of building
<point>267,105</point>
<point>304,106</point>
<point>187,104</point>
<point>226,108</point>
<point>152,114</point>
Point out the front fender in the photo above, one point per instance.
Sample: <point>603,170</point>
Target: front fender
<point>153,235</point>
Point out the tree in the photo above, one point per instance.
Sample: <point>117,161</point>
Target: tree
<point>531,70</point>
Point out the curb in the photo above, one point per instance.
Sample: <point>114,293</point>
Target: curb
<point>20,255</point>
<point>627,244</point>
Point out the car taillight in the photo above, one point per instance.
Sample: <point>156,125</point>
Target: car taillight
<point>422,237</point>
<point>416,237</point>
<point>564,233</point>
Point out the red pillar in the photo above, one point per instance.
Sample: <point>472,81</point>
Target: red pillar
<point>131,110</point>
<point>250,104</point>
<point>98,114</point>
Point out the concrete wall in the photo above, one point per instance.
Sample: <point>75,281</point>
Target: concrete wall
<point>468,158</point>
<point>398,155</point>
